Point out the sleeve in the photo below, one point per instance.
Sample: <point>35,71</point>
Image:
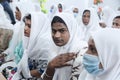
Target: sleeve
<point>18,52</point>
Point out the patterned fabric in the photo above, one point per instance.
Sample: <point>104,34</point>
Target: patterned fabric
<point>5,37</point>
<point>40,65</point>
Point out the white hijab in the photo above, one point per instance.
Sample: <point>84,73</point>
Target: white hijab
<point>38,46</point>
<point>107,42</point>
<point>25,8</point>
<point>108,15</point>
<point>4,22</point>
<point>92,26</point>
<point>74,45</point>
<point>51,14</point>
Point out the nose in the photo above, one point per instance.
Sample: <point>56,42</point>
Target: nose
<point>114,26</point>
<point>26,28</point>
<point>57,34</point>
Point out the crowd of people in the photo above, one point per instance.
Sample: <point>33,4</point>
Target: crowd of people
<point>63,44</point>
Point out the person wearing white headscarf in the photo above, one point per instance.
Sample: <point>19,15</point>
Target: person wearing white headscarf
<point>60,7</point>
<point>76,13</point>
<point>105,62</point>
<point>66,51</point>
<point>89,22</point>
<point>116,22</point>
<point>4,20</point>
<point>21,10</point>
<point>35,48</point>
<point>108,15</point>
<point>52,11</point>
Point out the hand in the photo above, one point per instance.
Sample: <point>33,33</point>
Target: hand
<point>3,55</point>
<point>61,60</point>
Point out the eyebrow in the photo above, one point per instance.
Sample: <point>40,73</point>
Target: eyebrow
<point>60,29</point>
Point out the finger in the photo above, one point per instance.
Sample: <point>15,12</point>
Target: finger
<point>64,65</point>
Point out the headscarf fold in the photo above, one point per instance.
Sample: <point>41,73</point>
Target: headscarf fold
<point>107,42</point>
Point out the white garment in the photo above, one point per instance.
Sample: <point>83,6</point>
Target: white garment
<point>4,21</point>
<point>24,7</point>
<point>93,24</point>
<point>18,28</point>
<point>73,45</point>
<point>107,42</point>
<point>78,17</point>
<point>108,15</point>
<point>38,46</point>
<point>52,11</point>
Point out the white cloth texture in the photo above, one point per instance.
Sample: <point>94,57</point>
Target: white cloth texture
<point>4,20</point>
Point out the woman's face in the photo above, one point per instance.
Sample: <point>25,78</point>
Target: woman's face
<point>86,18</point>
<point>92,50</point>
<point>27,28</point>
<point>60,34</point>
<point>18,14</point>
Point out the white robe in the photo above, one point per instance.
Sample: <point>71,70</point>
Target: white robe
<point>73,45</point>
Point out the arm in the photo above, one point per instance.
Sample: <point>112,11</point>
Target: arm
<point>35,73</point>
<point>58,62</point>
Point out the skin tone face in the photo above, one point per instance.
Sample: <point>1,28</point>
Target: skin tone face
<point>75,10</point>
<point>116,23</point>
<point>92,50</point>
<point>18,14</point>
<point>60,7</point>
<point>27,28</point>
<point>86,18</point>
<point>60,34</point>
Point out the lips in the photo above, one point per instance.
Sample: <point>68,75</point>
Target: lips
<point>58,41</point>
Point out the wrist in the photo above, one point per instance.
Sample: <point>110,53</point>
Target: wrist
<point>51,66</point>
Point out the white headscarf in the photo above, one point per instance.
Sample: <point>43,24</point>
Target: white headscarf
<point>74,45</point>
<point>108,15</point>
<point>70,10</point>
<point>52,11</point>
<point>4,22</point>
<point>24,8</point>
<point>107,42</point>
<point>92,26</point>
<point>38,46</point>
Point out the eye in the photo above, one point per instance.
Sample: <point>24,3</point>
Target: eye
<point>117,24</point>
<point>53,31</point>
<point>62,31</point>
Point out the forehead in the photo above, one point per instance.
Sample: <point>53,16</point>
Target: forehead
<point>27,21</point>
<point>86,13</point>
<point>75,9</point>
<point>116,20</point>
<point>58,25</point>
<point>91,42</point>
